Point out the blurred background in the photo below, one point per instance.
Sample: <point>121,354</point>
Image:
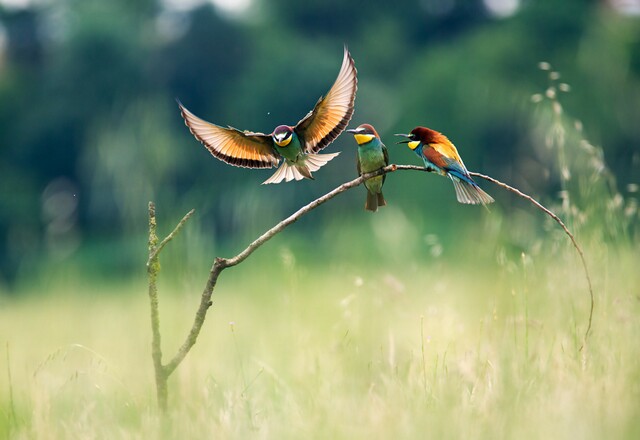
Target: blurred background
<point>543,95</point>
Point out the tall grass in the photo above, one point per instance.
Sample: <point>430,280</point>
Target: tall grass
<point>348,354</point>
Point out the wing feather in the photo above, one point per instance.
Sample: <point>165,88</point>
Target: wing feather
<point>235,147</point>
<point>435,157</point>
<point>445,156</point>
<point>332,113</point>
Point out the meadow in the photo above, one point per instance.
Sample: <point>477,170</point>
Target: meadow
<point>373,326</point>
<point>427,319</point>
<point>411,348</point>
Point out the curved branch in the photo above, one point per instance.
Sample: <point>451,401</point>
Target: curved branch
<point>222,263</point>
<point>566,230</point>
<point>302,211</point>
<point>550,214</point>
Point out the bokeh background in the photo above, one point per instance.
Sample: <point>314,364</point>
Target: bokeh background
<point>90,131</point>
<point>426,317</point>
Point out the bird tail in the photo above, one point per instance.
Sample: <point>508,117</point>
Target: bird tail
<point>315,161</point>
<point>470,192</point>
<point>301,169</point>
<point>374,201</point>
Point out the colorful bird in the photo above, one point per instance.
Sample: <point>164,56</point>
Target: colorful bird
<point>295,145</point>
<point>372,155</point>
<point>441,156</point>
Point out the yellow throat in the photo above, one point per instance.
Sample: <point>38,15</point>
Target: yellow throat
<point>363,138</point>
<point>284,142</point>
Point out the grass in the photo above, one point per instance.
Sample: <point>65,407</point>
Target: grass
<point>409,351</point>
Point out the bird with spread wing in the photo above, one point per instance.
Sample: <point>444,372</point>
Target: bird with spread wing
<point>295,146</point>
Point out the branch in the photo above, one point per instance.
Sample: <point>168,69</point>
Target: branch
<point>168,238</point>
<point>566,230</point>
<point>153,268</point>
<point>304,210</point>
<point>222,263</point>
<point>550,214</point>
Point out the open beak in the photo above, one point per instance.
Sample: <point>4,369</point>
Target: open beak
<point>403,135</point>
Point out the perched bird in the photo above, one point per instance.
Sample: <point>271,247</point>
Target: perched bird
<point>372,155</point>
<point>441,156</point>
<point>295,145</point>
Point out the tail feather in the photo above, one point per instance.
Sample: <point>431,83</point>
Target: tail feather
<point>302,169</point>
<point>372,202</point>
<point>315,161</point>
<point>470,193</point>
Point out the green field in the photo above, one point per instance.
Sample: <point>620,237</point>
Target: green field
<point>297,348</point>
<point>429,319</point>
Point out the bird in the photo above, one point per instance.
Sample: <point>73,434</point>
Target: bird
<point>441,156</point>
<point>372,155</point>
<point>295,146</point>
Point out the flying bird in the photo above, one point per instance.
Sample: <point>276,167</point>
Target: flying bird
<point>440,155</point>
<point>295,146</point>
<point>372,155</point>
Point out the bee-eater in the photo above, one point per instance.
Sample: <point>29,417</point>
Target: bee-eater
<point>295,145</point>
<point>372,155</point>
<point>440,155</point>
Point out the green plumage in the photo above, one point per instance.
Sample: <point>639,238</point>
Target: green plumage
<point>291,151</point>
<point>372,156</point>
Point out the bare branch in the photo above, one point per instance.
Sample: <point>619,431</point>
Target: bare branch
<point>220,264</point>
<point>169,237</point>
<point>566,230</point>
<point>302,211</point>
<point>550,214</point>
<point>153,267</point>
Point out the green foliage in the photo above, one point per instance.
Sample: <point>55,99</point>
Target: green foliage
<point>427,317</point>
<point>87,93</point>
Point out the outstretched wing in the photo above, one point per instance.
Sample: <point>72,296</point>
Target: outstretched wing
<point>235,147</point>
<point>331,113</point>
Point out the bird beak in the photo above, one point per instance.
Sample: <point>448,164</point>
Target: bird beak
<point>403,135</point>
<point>351,130</point>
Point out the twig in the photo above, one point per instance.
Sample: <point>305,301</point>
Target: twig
<point>566,230</point>
<point>550,214</point>
<point>169,237</point>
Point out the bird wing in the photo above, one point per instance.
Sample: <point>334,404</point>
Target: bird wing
<point>385,152</point>
<point>444,156</point>
<point>331,113</point>
<point>235,147</point>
